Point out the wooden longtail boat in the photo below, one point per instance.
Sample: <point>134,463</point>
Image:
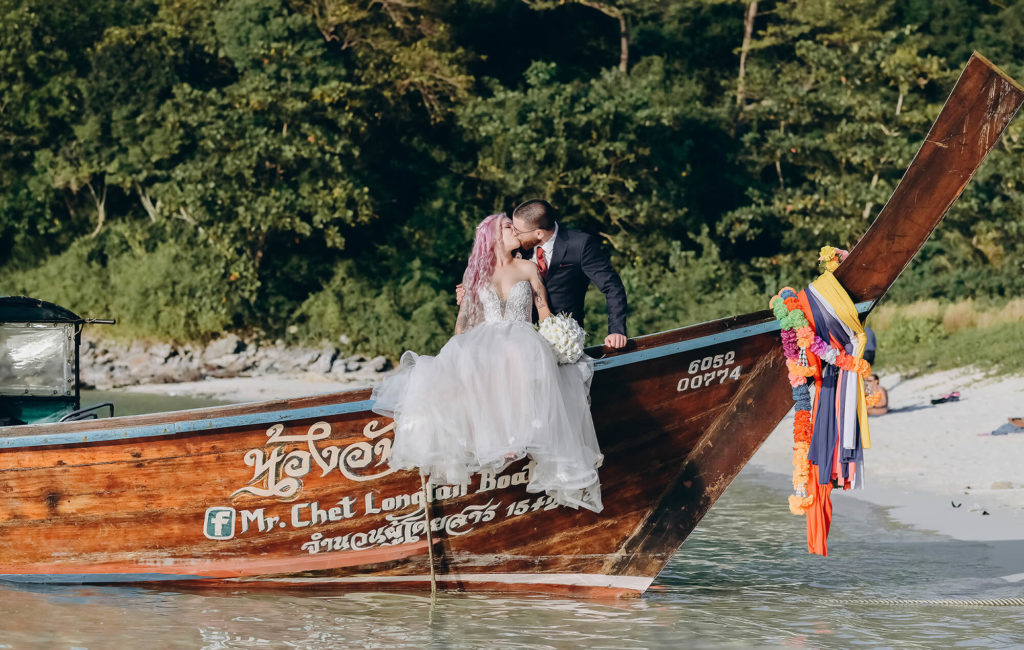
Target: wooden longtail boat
<point>299,492</point>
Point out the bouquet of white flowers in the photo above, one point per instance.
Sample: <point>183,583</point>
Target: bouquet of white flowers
<point>565,335</point>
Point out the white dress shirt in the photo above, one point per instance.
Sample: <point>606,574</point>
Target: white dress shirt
<point>549,247</point>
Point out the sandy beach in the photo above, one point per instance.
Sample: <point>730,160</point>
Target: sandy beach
<point>937,467</point>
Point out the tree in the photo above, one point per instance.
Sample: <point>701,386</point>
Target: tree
<point>837,102</point>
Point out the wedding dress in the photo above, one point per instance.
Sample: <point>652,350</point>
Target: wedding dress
<point>493,392</point>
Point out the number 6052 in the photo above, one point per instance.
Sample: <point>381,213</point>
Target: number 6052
<point>709,362</point>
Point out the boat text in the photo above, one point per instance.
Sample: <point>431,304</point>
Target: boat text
<point>709,370</point>
<point>277,473</point>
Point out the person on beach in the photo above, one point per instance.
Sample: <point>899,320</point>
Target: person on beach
<point>496,392</point>
<point>873,387</point>
<point>568,260</point>
<point>870,345</point>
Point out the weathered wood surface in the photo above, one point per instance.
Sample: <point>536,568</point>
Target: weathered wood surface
<point>982,103</point>
<point>139,506</point>
<point>137,509</point>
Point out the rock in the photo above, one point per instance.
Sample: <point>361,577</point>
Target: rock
<point>121,377</point>
<point>162,351</point>
<point>107,365</point>
<point>137,347</point>
<point>227,365</point>
<point>104,356</point>
<point>325,361</point>
<point>303,360</point>
<point>228,344</point>
<point>92,377</point>
<point>139,365</point>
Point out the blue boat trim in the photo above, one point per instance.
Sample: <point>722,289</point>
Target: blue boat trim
<point>209,424</point>
<point>92,578</point>
<point>187,426</point>
<point>702,342</point>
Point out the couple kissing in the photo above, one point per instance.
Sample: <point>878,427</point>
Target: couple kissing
<point>568,261</point>
<point>495,393</point>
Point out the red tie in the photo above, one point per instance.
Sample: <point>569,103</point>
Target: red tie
<point>542,263</point>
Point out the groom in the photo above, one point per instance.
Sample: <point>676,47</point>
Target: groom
<point>569,261</point>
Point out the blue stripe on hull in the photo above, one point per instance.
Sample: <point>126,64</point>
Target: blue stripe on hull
<point>187,426</point>
<point>92,578</point>
<point>701,342</point>
<point>209,424</point>
<point>686,346</point>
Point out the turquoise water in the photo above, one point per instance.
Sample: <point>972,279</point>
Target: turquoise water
<point>742,579</point>
<point>136,403</point>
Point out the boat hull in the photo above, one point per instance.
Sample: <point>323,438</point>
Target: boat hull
<point>299,492</point>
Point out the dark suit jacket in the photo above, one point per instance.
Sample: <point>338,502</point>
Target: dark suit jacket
<point>576,261</point>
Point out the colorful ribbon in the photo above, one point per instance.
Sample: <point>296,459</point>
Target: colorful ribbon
<point>823,339</point>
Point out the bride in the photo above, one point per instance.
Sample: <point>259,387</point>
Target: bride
<point>495,392</point>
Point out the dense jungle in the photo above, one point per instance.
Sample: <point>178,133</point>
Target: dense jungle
<point>313,170</point>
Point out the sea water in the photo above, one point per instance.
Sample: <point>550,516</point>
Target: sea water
<point>742,579</point>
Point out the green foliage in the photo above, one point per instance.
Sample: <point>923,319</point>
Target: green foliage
<point>612,152</point>
<point>355,315</point>
<point>910,333</point>
<point>689,286</point>
<point>314,169</point>
<point>141,284</point>
<point>919,345</point>
<point>838,103</point>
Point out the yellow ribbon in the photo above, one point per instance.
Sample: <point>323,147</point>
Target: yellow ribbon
<point>828,287</point>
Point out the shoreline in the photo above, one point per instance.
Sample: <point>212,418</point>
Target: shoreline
<point>929,466</point>
<point>257,389</point>
<point>228,368</point>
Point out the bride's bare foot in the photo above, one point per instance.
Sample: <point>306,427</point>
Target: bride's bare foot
<point>510,456</point>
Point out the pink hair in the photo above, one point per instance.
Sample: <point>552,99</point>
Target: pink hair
<point>480,267</point>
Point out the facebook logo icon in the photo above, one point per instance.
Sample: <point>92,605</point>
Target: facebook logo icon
<point>220,523</point>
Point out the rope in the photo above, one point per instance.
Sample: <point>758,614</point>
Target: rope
<point>430,541</point>
<point>993,602</point>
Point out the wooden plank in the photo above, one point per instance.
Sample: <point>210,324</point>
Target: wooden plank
<point>980,106</point>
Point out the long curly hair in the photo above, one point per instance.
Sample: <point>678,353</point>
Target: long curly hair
<point>480,267</point>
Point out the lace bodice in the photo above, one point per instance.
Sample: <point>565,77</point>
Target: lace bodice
<point>518,306</point>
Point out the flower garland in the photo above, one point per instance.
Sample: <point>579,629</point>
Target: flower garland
<point>795,329</point>
<point>798,338</point>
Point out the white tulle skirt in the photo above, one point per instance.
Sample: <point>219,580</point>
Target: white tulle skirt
<point>493,393</point>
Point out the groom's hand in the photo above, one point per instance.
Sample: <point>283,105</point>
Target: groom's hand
<point>460,293</point>
<point>615,341</point>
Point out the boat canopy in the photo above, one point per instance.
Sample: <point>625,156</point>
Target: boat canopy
<point>38,360</point>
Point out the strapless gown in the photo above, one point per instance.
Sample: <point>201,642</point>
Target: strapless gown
<point>494,391</point>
